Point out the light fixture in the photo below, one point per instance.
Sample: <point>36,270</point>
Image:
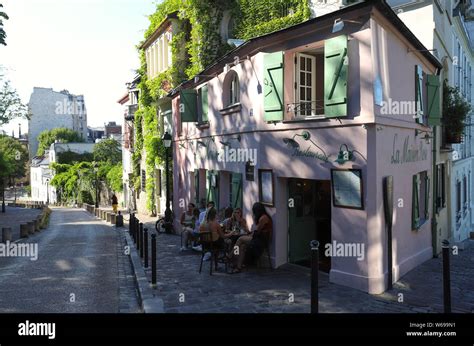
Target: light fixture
<point>338,25</point>
<point>426,137</point>
<point>291,143</point>
<point>344,155</point>
<point>201,144</point>
<point>167,139</point>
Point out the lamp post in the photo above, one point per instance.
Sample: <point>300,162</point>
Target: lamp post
<point>47,191</point>
<point>96,169</point>
<point>167,139</point>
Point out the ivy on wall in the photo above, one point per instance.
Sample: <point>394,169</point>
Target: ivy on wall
<point>196,44</point>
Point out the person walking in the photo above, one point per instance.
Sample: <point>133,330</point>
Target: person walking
<point>114,203</point>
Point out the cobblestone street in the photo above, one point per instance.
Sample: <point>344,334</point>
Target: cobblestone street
<point>81,268</point>
<point>260,290</point>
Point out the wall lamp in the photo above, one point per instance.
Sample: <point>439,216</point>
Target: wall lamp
<point>306,136</point>
<point>426,137</point>
<point>339,24</point>
<point>227,144</point>
<point>344,155</point>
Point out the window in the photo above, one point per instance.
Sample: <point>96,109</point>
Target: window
<point>440,187</point>
<point>458,200</point>
<point>143,180</point>
<point>306,85</point>
<point>465,193</point>
<point>420,200</point>
<point>234,90</point>
<point>419,98</point>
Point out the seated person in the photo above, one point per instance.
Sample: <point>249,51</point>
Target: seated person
<point>211,225</point>
<point>250,247</point>
<point>187,221</point>
<point>191,234</point>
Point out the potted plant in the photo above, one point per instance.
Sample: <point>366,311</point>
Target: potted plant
<point>455,110</point>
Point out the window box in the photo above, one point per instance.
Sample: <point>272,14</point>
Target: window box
<point>235,108</point>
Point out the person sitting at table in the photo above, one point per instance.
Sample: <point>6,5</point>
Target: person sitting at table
<point>237,224</point>
<point>212,225</point>
<point>250,247</point>
<point>187,221</point>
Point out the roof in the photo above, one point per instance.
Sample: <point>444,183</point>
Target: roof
<point>157,33</point>
<point>124,99</point>
<point>258,44</point>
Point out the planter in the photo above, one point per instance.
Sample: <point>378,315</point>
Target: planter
<point>453,138</point>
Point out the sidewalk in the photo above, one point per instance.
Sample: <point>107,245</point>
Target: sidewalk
<point>287,289</point>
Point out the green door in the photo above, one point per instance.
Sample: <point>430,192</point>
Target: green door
<point>308,219</point>
<point>212,185</point>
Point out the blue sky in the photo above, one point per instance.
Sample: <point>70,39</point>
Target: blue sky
<point>84,46</point>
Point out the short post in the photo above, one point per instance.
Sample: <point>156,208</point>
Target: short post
<point>37,224</point>
<point>113,218</point>
<point>141,240</point>
<point>130,223</point>
<point>145,247</point>
<point>153,259</point>
<point>139,231</point>
<point>119,220</point>
<point>6,234</point>
<point>108,217</point>
<point>24,230</point>
<point>446,278</point>
<point>314,276</point>
<point>31,227</point>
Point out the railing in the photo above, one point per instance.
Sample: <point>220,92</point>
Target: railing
<point>306,108</point>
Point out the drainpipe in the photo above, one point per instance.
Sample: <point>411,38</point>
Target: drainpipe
<point>434,221</point>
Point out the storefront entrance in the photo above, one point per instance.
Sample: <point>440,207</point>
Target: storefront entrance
<point>309,218</point>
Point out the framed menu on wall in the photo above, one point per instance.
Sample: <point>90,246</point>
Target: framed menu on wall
<point>347,189</point>
<point>266,187</point>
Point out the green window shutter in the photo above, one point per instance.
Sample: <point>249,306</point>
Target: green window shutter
<point>188,106</point>
<point>434,100</point>
<point>427,197</point>
<point>213,191</point>
<point>273,86</point>
<point>236,190</point>
<point>335,77</point>
<point>419,94</point>
<point>415,211</point>
<point>205,104</point>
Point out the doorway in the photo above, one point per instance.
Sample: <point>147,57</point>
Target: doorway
<point>309,218</point>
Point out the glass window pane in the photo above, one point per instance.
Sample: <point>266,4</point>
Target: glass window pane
<point>302,78</point>
<point>309,79</point>
<point>302,63</point>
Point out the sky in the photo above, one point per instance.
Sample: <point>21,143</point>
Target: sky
<point>85,46</point>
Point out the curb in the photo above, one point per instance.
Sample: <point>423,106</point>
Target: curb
<point>149,302</point>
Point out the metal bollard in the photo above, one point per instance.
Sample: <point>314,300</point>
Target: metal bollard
<point>153,259</point>
<point>139,230</point>
<point>446,278</point>
<point>145,247</point>
<point>141,240</point>
<point>6,234</point>
<point>130,223</point>
<point>119,220</point>
<point>314,276</point>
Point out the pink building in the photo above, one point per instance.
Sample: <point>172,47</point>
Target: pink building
<point>310,120</point>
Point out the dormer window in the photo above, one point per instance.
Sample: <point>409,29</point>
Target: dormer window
<point>232,88</point>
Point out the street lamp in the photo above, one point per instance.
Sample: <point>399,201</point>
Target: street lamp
<point>47,191</point>
<point>167,139</point>
<point>96,169</point>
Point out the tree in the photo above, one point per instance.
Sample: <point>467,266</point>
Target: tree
<point>14,157</point>
<point>48,137</point>
<point>3,35</point>
<point>10,103</point>
<point>109,151</point>
<point>114,178</point>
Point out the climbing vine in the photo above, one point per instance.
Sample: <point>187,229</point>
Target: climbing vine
<point>196,44</point>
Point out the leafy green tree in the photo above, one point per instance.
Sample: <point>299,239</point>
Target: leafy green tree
<point>14,158</point>
<point>48,137</point>
<point>11,106</point>
<point>114,178</point>
<point>3,35</point>
<point>109,151</point>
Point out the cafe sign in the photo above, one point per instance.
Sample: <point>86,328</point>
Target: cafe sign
<point>406,152</point>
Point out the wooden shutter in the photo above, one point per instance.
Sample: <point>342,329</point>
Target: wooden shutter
<point>204,104</point>
<point>434,100</point>
<point>213,191</point>
<point>273,84</point>
<point>236,201</point>
<point>335,77</point>
<point>415,220</point>
<point>188,106</point>
<point>419,106</point>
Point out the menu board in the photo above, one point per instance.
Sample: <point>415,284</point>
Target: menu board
<point>347,188</point>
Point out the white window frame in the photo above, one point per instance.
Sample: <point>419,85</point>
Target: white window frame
<point>234,90</point>
<point>298,82</point>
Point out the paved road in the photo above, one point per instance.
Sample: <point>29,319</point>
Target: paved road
<point>287,289</point>
<point>80,268</point>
